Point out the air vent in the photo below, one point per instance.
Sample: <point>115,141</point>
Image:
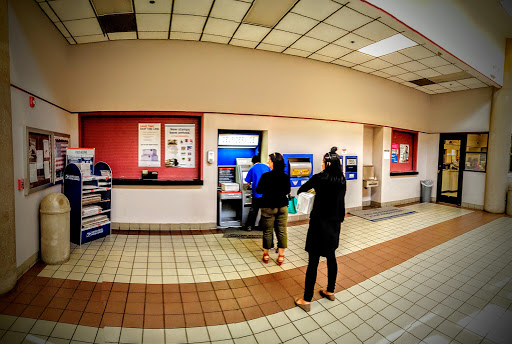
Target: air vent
<point>118,22</point>
<point>268,12</point>
<point>422,82</point>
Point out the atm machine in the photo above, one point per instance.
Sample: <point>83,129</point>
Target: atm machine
<point>229,198</point>
<point>242,167</point>
<point>299,167</point>
<point>350,167</point>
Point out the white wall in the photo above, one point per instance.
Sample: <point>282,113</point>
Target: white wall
<point>367,157</point>
<point>473,188</point>
<point>196,205</point>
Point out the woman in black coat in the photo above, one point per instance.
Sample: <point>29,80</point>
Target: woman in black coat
<point>324,225</point>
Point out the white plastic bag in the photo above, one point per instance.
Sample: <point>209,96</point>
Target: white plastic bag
<point>305,202</point>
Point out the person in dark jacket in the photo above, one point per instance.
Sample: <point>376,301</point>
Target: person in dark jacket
<point>324,225</point>
<point>274,186</point>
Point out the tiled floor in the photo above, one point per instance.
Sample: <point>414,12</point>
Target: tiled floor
<point>440,275</point>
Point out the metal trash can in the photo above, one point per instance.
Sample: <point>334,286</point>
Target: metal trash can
<point>426,190</point>
<point>509,200</point>
<point>55,244</point>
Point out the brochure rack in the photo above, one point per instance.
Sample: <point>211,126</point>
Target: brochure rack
<point>90,200</point>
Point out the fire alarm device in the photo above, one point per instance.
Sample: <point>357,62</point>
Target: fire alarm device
<point>21,184</point>
<point>31,101</point>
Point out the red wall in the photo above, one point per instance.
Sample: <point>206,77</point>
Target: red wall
<point>408,138</point>
<point>115,137</point>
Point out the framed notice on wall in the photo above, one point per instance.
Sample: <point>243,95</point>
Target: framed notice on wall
<point>149,144</point>
<point>179,145</point>
<point>60,147</point>
<point>39,160</point>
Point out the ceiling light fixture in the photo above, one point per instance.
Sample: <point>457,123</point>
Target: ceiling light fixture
<point>388,45</point>
<point>268,12</point>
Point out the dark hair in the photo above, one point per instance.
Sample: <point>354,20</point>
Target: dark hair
<point>255,159</point>
<point>278,161</point>
<point>333,171</point>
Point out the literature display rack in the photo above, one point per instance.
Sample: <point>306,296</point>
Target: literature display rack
<point>90,200</point>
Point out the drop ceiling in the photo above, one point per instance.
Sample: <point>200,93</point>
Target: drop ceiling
<point>331,31</point>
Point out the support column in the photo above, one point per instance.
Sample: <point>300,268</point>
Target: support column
<point>500,128</point>
<point>7,230</point>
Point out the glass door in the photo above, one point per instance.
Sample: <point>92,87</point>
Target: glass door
<point>452,150</point>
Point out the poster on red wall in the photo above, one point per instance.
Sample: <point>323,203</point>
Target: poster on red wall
<point>149,144</point>
<point>394,152</point>
<point>404,154</point>
<point>179,145</point>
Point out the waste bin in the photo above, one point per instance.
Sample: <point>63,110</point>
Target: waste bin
<point>509,200</point>
<point>55,244</point>
<point>426,190</point>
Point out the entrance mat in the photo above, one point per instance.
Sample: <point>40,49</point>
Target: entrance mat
<point>241,234</point>
<point>379,214</point>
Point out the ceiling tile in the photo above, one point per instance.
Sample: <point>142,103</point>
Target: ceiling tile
<point>308,44</point>
<point>186,23</point>
<point>479,85</point>
<point>297,52</point>
<point>412,66</point>
<point>357,57</point>
<point>343,63</point>
<point>321,58</point>
<point>427,73</point>
<point>46,8</point>
<point>153,22</point>
<point>381,74</point>
<point>187,36</point>
<point>448,69</point>
<point>395,79</point>
<point>471,81</point>
<point>368,10</point>
<point>84,27</point>
<point>375,31</point>
<point>153,35</point>
<point>270,47</point>
<point>376,64</point>
<point>334,51</point>
<point>408,76</point>
<point>451,84</point>
<point>434,87</point>
<point>358,41</point>
<point>230,9</point>
<point>243,43</point>
<point>295,23</point>
<point>160,6</point>
<point>363,69</point>
<point>395,58</point>
<point>215,39</point>
<point>62,30</point>
<point>394,70</point>
<point>196,7</point>
<point>461,88</point>
<point>442,91</point>
<point>348,19</point>
<point>326,32</point>
<point>417,52</point>
<point>434,61</point>
<point>281,38</point>
<point>122,35</point>
<point>251,32</point>
<point>90,39</point>
<point>70,10</point>
<point>220,27</point>
<point>392,23</point>
<point>103,7</point>
<point>317,9</point>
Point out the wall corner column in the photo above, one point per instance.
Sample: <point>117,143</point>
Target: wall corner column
<point>8,274</point>
<point>500,127</point>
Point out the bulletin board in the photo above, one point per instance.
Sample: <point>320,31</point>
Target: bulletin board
<point>115,136</point>
<point>39,148</point>
<point>404,147</point>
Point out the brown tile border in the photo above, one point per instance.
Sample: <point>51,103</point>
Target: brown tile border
<point>211,303</point>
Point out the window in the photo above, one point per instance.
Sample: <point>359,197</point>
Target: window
<point>476,153</point>
<point>404,146</point>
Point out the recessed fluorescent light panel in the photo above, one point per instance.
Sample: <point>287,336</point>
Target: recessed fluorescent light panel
<point>268,12</point>
<point>388,45</point>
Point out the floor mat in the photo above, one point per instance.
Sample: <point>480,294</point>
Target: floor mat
<point>241,234</point>
<point>379,214</point>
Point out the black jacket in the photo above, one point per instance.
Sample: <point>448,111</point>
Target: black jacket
<point>274,186</point>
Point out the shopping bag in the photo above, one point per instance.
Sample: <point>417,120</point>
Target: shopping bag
<point>292,205</point>
<point>305,202</point>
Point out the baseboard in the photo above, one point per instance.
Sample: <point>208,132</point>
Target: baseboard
<point>472,206</point>
<point>367,203</point>
<point>27,264</point>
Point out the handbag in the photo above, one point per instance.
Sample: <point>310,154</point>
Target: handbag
<point>305,202</point>
<point>292,205</point>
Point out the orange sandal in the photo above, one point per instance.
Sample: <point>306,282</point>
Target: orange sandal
<point>265,258</point>
<point>280,261</point>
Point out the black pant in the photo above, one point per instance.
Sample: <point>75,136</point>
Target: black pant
<point>332,272</point>
<point>253,213</point>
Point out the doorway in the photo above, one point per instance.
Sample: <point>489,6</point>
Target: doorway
<point>452,151</point>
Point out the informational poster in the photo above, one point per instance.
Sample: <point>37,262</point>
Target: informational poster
<point>149,144</point>
<point>46,167</point>
<point>404,153</point>
<point>60,148</point>
<point>33,172</point>
<point>39,159</point>
<point>179,145</point>
<point>394,152</point>
<point>83,158</point>
<point>46,148</point>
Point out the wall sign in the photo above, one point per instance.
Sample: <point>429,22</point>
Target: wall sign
<point>149,144</point>
<point>180,145</point>
<point>83,158</point>
<point>404,153</point>
<point>394,152</point>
